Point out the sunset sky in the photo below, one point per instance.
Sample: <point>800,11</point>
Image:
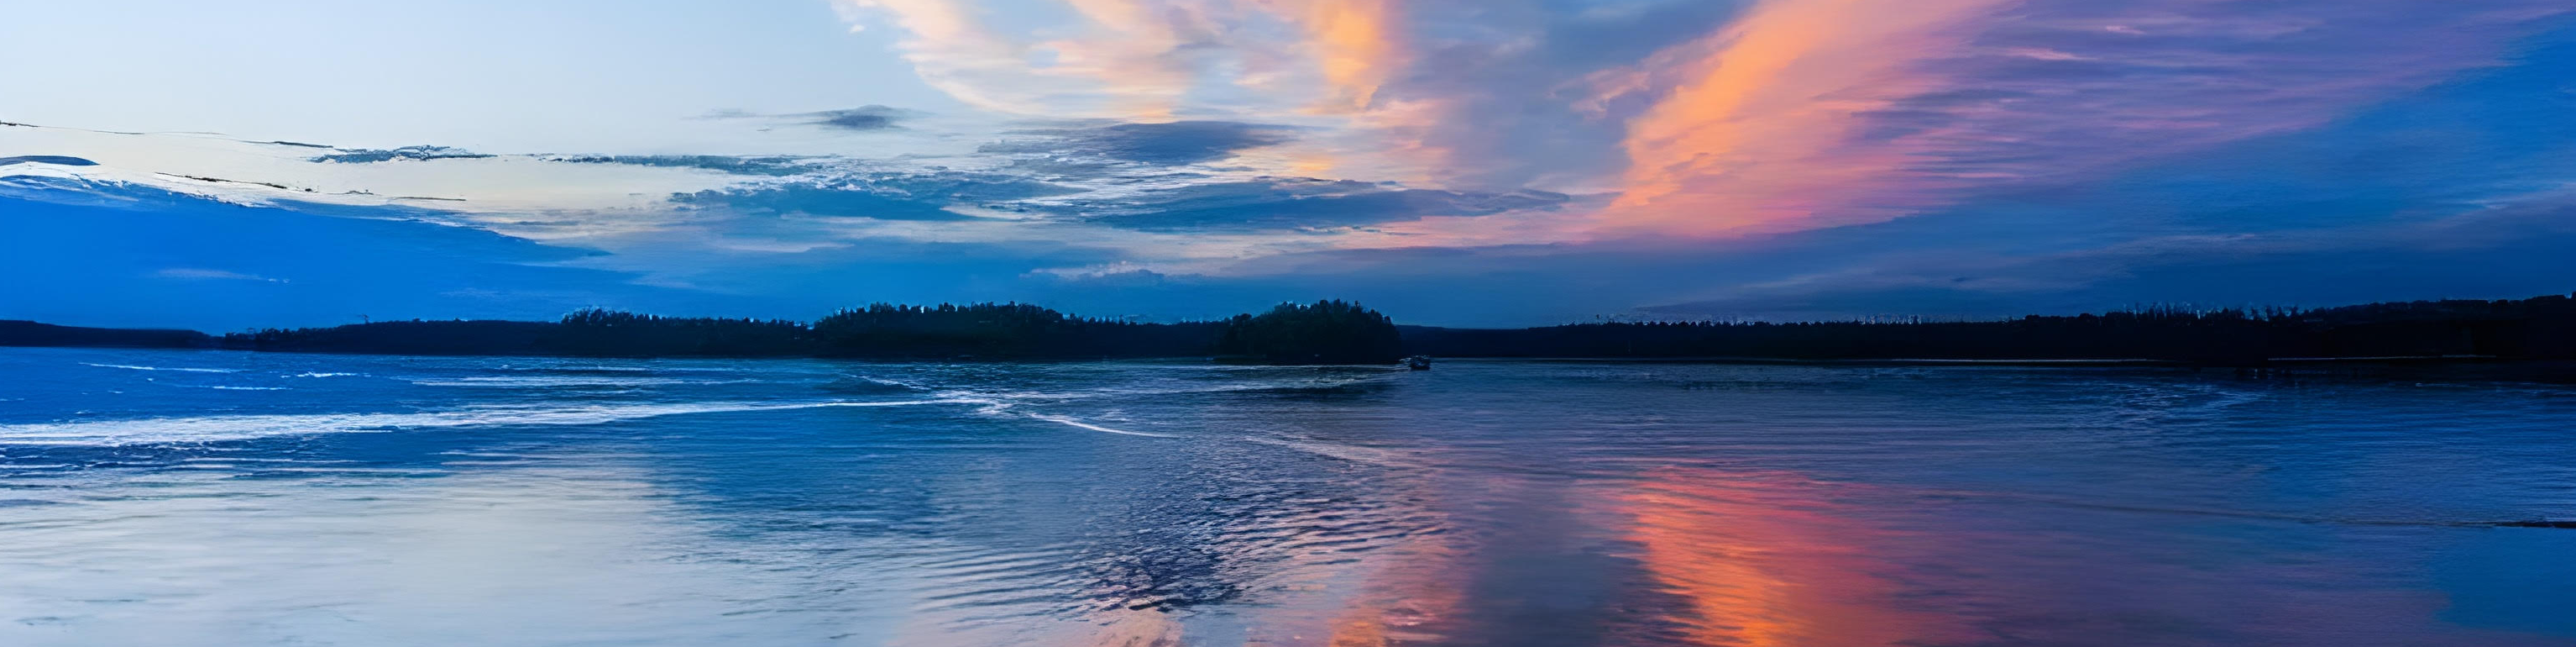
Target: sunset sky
<point>1451,162</point>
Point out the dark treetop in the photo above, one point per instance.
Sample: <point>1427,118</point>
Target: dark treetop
<point>1337,332</point>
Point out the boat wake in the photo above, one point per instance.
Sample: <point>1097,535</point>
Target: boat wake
<point>1077,424</point>
<point>207,429</point>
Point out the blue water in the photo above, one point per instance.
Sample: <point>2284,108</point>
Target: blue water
<point>215,498</point>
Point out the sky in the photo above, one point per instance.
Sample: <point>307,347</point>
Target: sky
<point>223,166</point>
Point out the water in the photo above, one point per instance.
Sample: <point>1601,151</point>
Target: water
<point>201,498</point>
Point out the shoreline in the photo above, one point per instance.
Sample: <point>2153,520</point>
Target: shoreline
<point>2527,369</point>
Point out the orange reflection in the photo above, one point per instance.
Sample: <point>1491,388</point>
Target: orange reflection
<point>1770,560</point>
<point>1138,628</point>
<point>1408,596</point>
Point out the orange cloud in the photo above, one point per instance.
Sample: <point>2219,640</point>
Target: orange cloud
<point>1137,54</point>
<point>952,50</point>
<point>1356,48</point>
<point>1359,47</point>
<point>1756,131</point>
<point>1322,63</point>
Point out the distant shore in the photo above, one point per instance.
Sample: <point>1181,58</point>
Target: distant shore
<point>2537,334</point>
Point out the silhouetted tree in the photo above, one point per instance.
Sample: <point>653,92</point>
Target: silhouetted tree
<point>1327,332</point>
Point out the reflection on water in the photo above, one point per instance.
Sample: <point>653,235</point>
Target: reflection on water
<point>447,561</point>
<point>171,498</point>
<point>1771,560</point>
<point>1401,596</point>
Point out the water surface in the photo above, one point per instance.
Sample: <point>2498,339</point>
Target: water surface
<point>196,498</point>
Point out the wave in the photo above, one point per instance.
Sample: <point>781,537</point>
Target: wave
<point>327,375</point>
<point>604,369</point>
<point>1077,424</point>
<point>1313,385</point>
<point>205,429</point>
<point>1001,408</point>
<point>1294,386</point>
<point>560,368</point>
<point>866,385</point>
<point>164,368</point>
<point>888,382</point>
<point>1352,453</point>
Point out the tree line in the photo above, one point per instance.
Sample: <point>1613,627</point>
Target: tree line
<point>1324,332</point>
<point>1340,332</point>
<point>2535,328</point>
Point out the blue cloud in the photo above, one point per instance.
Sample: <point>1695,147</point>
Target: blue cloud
<point>863,118</point>
<point>870,117</point>
<point>406,153</point>
<point>1271,204</point>
<point>819,200</point>
<point>768,165</point>
<point>896,196</point>
<point>59,160</point>
<point>1174,143</point>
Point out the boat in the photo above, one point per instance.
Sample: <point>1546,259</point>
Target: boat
<point>1418,362</point>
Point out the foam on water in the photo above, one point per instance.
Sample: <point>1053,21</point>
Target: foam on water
<point>202,429</point>
<point>1001,405</point>
<point>1077,424</point>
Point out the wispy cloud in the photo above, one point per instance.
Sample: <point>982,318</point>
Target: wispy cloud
<point>1749,128</point>
<point>1808,114</point>
<point>201,274</point>
<point>404,154</point>
<point>860,118</point>
<point>1169,143</point>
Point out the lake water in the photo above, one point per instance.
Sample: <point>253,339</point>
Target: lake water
<point>215,498</point>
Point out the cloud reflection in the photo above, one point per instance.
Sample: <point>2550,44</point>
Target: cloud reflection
<point>1770,559</point>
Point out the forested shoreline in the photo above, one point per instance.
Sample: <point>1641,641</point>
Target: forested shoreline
<point>1324,332</point>
<point>1338,332</point>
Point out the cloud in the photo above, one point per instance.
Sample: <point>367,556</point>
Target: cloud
<point>952,50</point>
<point>1173,143</point>
<point>1493,95</point>
<point>1288,204</point>
<point>1319,63</point>
<point>881,195</point>
<point>1816,114</point>
<point>1358,44</point>
<point>2503,254</point>
<point>870,117</point>
<point>845,201</point>
<point>59,160</point>
<point>406,153</point>
<point>865,118</point>
<point>192,273</point>
<point>767,165</point>
<point>1747,128</point>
